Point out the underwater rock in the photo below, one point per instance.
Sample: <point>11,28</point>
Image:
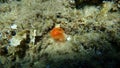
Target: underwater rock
<point>17,39</point>
<point>3,51</point>
<point>79,3</point>
<point>91,27</point>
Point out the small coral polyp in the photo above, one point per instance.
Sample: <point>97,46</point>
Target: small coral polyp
<point>57,34</point>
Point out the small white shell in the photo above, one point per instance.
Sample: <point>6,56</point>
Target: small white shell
<point>14,26</point>
<point>68,38</point>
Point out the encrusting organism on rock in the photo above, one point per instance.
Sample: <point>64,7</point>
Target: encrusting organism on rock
<point>57,34</point>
